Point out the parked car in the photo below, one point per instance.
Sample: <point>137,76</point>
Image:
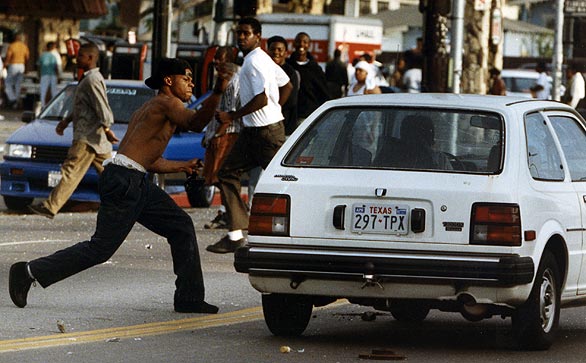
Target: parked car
<point>406,203</point>
<point>34,153</point>
<point>519,82</point>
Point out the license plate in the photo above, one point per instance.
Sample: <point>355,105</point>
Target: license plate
<point>53,178</point>
<point>380,218</point>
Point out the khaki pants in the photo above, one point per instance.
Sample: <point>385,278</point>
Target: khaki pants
<point>79,159</point>
<point>255,146</point>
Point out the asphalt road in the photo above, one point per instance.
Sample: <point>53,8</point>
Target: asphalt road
<point>122,311</point>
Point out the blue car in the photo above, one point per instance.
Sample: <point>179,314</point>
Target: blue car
<point>34,152</point>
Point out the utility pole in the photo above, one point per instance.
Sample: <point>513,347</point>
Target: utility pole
<point>161,30</point>
<point>435,55</point>
<point>558,55</point>
<point>457,43</point>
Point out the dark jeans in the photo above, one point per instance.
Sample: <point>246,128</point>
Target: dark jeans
<point>127,196</point>
<point>255,146</point>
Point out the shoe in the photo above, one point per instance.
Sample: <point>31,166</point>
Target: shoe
<point>19,283</point>
<point>199,307</point>
<point>219,222</point>
<point>41,210</point>
<point>225,245</point>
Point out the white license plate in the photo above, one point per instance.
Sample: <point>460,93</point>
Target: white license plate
<point>380,218</point>
<point>53,178</point>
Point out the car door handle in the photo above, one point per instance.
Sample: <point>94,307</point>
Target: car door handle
<point>338,219</point>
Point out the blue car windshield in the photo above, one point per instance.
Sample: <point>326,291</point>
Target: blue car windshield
<point>123,101</point>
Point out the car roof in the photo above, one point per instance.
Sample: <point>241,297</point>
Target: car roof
<point>123,83</point>
<point>449,100</point>
<point>526,73</point>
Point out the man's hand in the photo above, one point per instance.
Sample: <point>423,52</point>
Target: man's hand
<point>191,166</point>
<point>111,136</point>
<point>225,73</point>
<point>224,118</point>
<point>61,126</point>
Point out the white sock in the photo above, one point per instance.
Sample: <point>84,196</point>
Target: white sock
<point>235,235</point>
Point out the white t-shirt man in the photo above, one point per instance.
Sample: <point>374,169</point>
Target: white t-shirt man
<point>543,81</point>
<point>577,89</point>
<point>260,73</point>
<point>412,80</point>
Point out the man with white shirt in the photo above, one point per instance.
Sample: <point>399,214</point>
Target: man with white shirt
<point>264,88</point>
<point>542,88</point>
<point>576,89</point>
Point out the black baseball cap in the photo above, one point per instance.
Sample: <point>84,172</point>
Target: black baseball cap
<point>168,67</point>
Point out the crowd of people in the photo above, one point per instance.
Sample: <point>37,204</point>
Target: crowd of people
<point>250,113</point>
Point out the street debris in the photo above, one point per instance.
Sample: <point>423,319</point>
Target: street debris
<point>368,316</point>
<point>148,246</point>
<point>381,354</point>
<point>285,349</point>
<point>112,340</point>
<point>61,326</point>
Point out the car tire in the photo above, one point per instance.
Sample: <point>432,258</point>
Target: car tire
<point>17,203</point>
<point>286,315</point>
<point>199,194</point>
<point>409,311</point>
<point>535,322</point>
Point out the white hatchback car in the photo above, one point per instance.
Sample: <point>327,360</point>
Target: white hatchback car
<point>406,203</point>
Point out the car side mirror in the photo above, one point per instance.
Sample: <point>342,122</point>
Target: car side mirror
<point>28,116</point>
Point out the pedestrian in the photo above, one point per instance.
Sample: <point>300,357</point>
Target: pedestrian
<point>264,88</point>
<point>337,76</point>
<point>277,49</point>
<point>575,91</point>
<point>2,78</point>
<point>366,129</point>
<point>541,89</point>
<point>313,87</point>
<point>396,81</point>
<point>497,84</point>
<point>363,83</point>
<point>92,136</point>
<point>49,71</point>
<point>412,77</point>
<point>219,138</point>
<point>17,56</point>
<point>128,196</point>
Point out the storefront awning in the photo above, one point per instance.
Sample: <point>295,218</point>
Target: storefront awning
<point>73,9</point>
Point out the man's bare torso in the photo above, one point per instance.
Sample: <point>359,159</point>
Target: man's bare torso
<point>149,132</point>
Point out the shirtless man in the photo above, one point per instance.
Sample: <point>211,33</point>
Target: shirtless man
<point>127,196</point>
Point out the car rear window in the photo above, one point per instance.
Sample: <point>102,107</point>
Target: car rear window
<point>402,138</point>
<point>123,101</point>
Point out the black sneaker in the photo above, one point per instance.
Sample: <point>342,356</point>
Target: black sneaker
<point>41,210</point>
<point>19,283</point>
<point>201,307</point>
<point>220,221</point>
<point>225,245</point>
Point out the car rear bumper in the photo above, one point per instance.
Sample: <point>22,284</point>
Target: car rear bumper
<point>350,265</point>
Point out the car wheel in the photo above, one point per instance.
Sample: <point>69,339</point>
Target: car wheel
<point>17,203</point>
<point>536,321</point>
<point>286,315</point>
<point>199,194</point>
<point>409,311</point>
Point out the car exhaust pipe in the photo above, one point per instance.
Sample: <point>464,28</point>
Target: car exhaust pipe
<point>471,310</point>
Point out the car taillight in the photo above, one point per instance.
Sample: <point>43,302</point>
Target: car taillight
<point>495,224</point>
<point>269,215</point>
